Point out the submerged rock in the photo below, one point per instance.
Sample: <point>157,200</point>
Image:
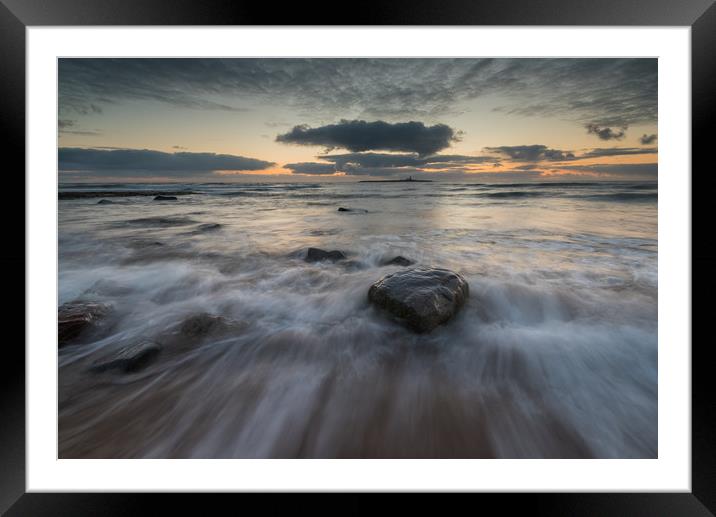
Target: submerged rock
<point>118,193</point>
<point>203,324</point>
<point>129,359</point>
<point>318,255</point>
<point>75,318</point>
<point>341,209</point>
<point>421,298</point>
<point>144,243</point>
<point>165,198</point>
<point>358,210</point>
<point>354,265</point>
<point>108,288</point>
<point>398,261</point>
<point>155,222</point>
<point>105,202</point>
<point>208,227</point>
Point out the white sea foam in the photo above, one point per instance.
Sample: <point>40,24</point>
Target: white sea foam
<point>554,355</point>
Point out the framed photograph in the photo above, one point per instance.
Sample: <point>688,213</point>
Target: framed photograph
<point>418,253</point>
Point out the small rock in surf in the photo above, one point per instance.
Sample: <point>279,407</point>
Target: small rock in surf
<point>398,261</point>
<point>421,298</point>
<point>208,227</point>
<point>203,324</point>
<point>355,210</point>
<point>318,255</point>
<point>75,318</point>
<point>165,198</point>
<point>129,359</point>
<point>105,202</point>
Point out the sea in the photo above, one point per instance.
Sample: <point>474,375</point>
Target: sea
<point>554,354</point>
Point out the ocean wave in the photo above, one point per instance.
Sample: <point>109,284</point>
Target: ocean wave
<point>554,354</point>
<point>624,196</point>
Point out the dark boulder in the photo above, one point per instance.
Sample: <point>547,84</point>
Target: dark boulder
<point>105,202</point>
<point>421,298</point>
<point>130,358</point>
<point>204,324</point>
<point>355,210</point>
<point>165,198</point>
<point>318,255</point>
<point>76,318</point>
<point>398,261</point>
<point>341,209</point>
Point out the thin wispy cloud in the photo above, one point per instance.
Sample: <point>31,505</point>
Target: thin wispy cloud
<point>353,117</point>
<point>70,127</point>
<point>607,92</point>
<point>621,170</point>
<point>618,151</point>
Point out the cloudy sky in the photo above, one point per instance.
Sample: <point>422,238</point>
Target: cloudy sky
<point>347,119</point>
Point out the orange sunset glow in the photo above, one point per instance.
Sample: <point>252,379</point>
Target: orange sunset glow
<point>149,120</point>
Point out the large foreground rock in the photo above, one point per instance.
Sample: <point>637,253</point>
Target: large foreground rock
<point>421,298</point>
<point>75,318</point>
<point>129,359</point>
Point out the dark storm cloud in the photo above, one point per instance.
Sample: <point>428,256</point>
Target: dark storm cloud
<point>311,168</point>
<point>383,160</point>
<point>606,133</point>
<point>617,151</point>
<point>359,135</point>
<point>647,139</point>
<point>376,164</point>
<point>531,153</point>
<point>357,170</point>
<point>391,164</point>
<point>386,160</point>
<point>144,160</point>
<point>349,169</point>
<point>470,167</point>
<point>607,92</point>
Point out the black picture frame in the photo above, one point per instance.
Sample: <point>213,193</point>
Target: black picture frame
<point>700,15</point>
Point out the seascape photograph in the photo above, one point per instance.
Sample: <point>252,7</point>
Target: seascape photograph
<point>357,258</point>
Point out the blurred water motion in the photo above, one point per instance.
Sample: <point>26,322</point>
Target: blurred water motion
<point>554,355</point>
